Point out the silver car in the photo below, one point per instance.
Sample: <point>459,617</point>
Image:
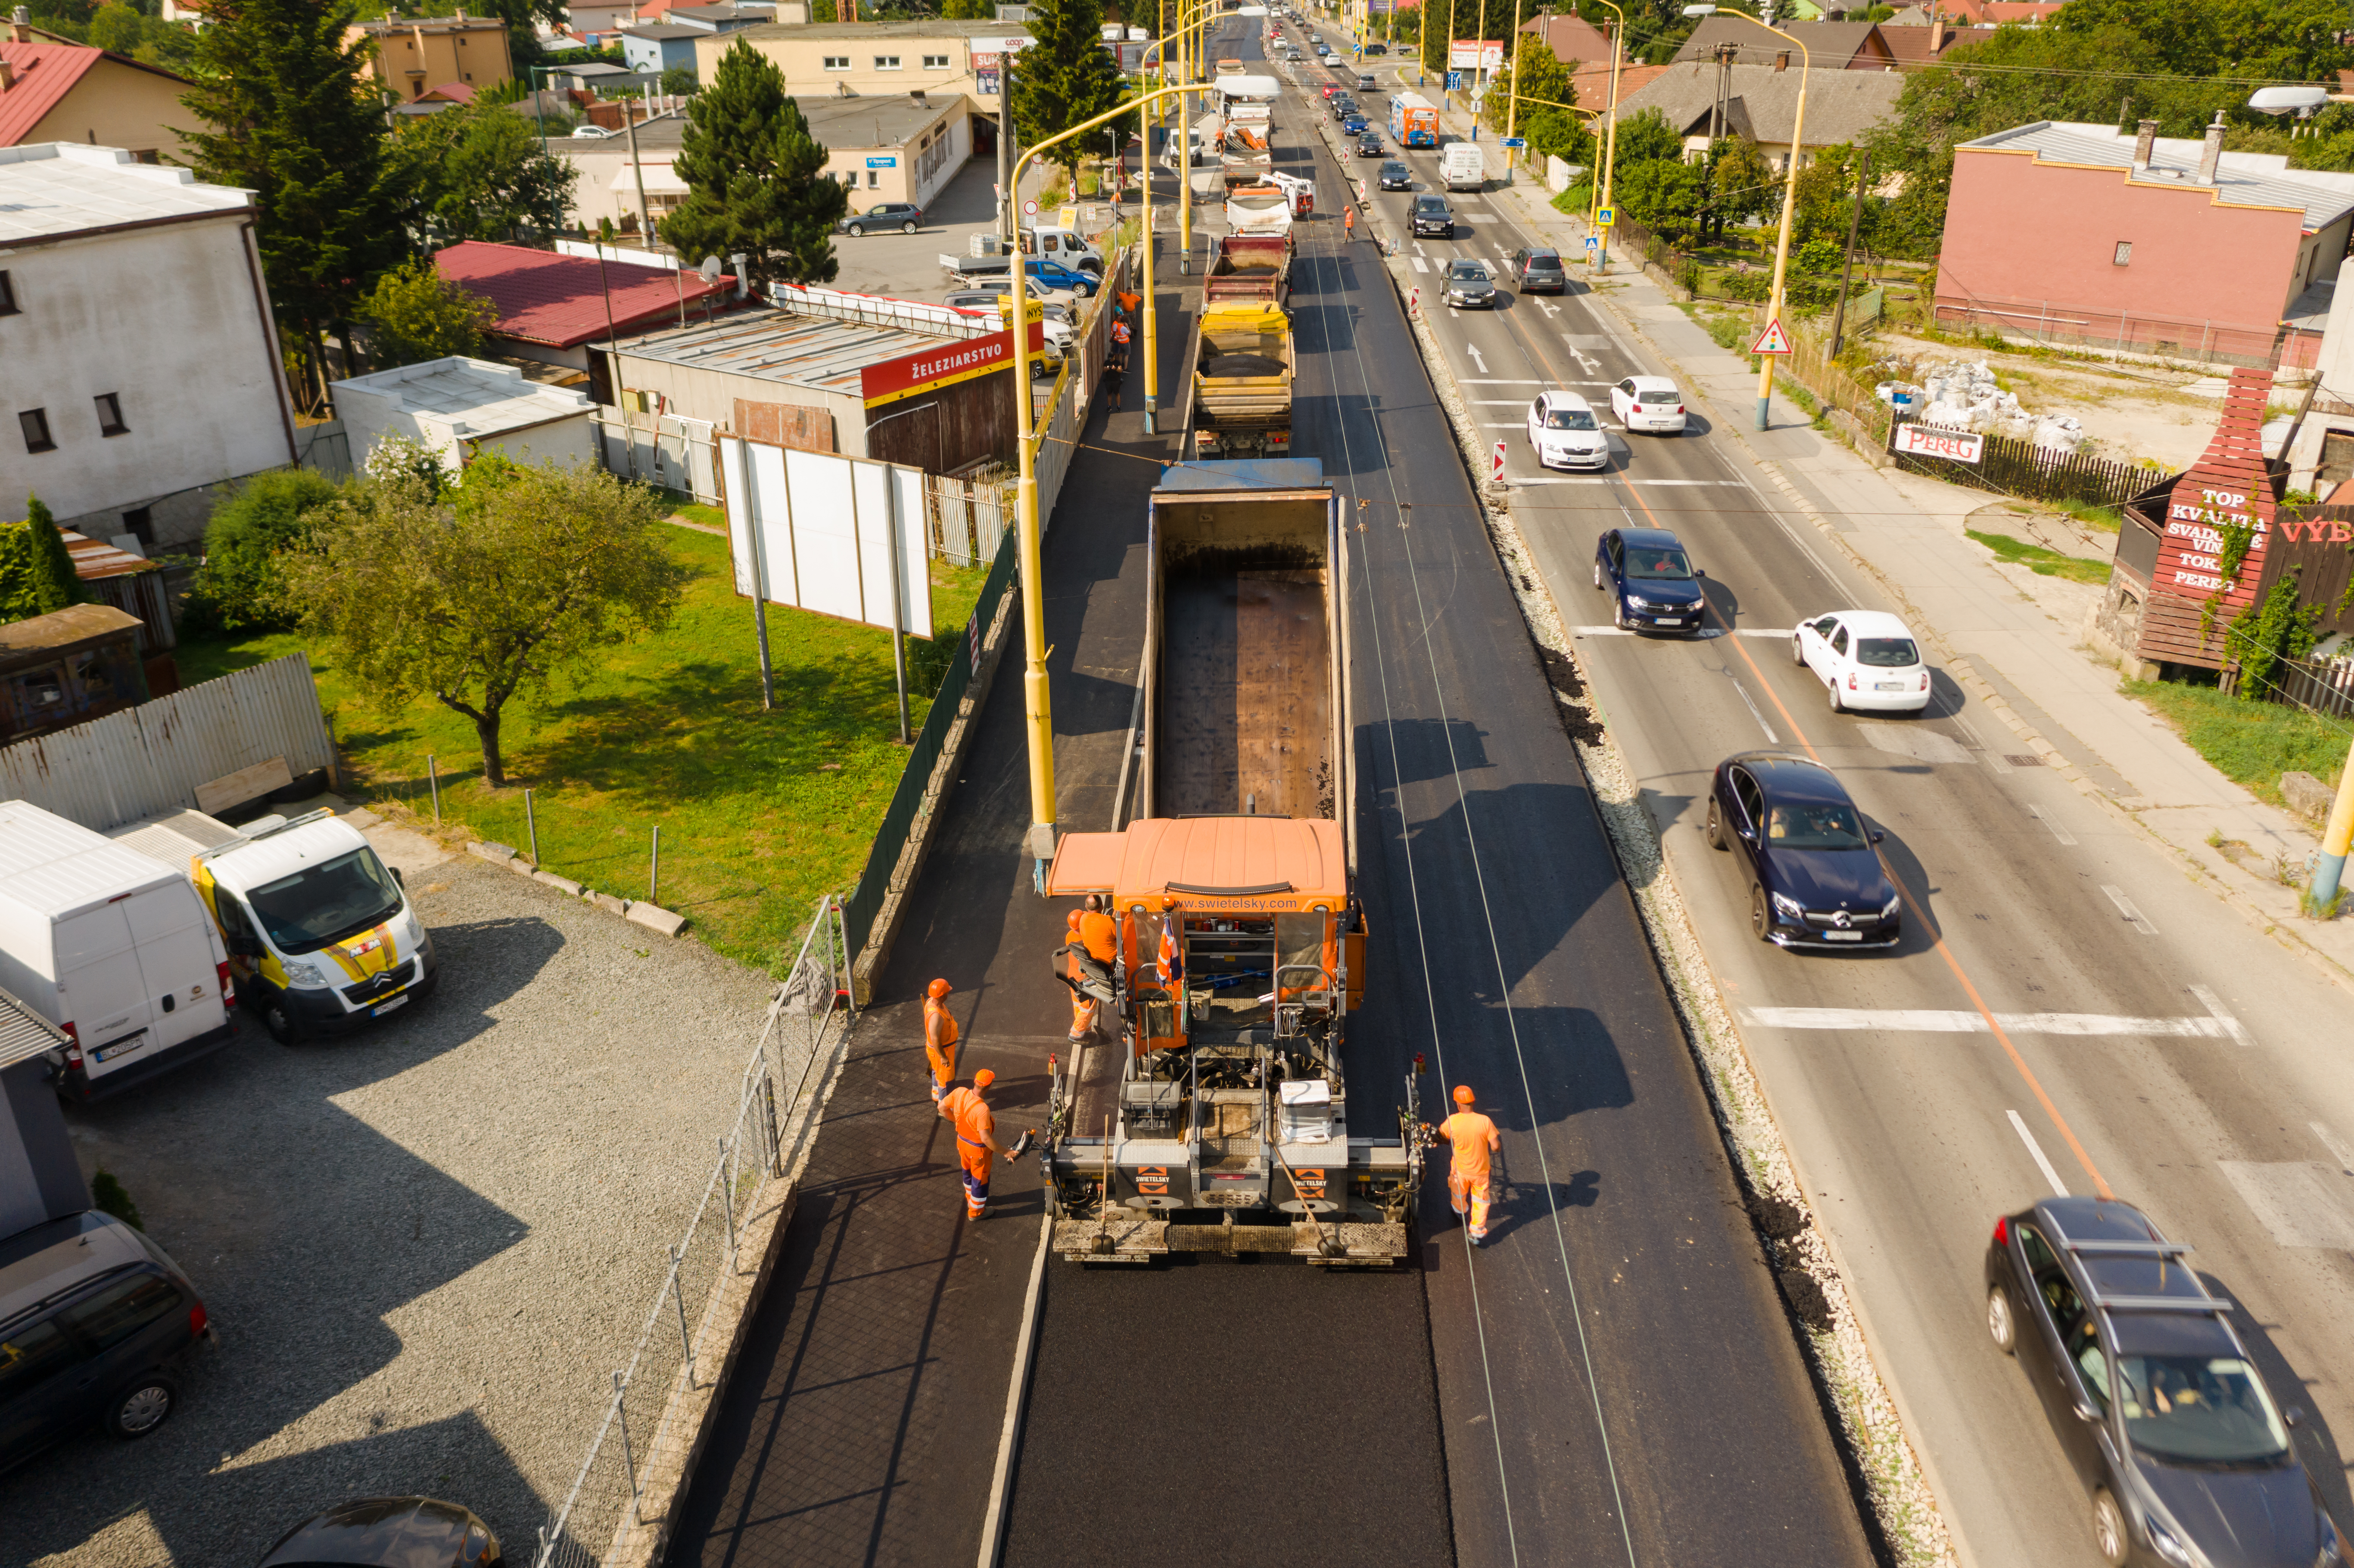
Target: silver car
<point>1469,287</point>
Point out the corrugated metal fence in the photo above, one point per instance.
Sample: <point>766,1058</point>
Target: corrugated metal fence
<point>150,759</point>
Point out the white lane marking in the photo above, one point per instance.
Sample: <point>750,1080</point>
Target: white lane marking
<point>1473,350</point>
<point>2295,1200</point>
<point>2221,1014</point>
<point>1548,307</point>
<point>1586,361</point>
<point>1420,264</point>
<point>1913,741</point>
<point>1994,759</point>
<point>1936,1020</point>
<point>2338,1149</point>
<point>1502,381</point>
<point>1771,738</point>
<point>2134,917</point>
<point>1556,479</point>
<point>1705,631</point>
<point>1515,425</point>
<point>2062,834</point>
<point>2058,1188</point>
<point>1733,483</point>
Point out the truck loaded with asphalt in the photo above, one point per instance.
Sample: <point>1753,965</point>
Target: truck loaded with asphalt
<point>1240,398</point>
<point>1250,267</point>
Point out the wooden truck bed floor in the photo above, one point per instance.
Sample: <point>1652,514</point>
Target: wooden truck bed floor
<point>1258,640</point>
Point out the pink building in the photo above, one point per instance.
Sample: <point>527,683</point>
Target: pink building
<point>2080,234</point>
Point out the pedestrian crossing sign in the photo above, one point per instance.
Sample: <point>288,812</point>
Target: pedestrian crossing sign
<point>1773,340</point>
<point>1606,218</point>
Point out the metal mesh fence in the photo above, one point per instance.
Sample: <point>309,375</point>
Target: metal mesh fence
<point>641,1432</point>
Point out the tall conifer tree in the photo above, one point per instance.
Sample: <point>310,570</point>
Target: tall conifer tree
<point>1065,79</point>
<point>755,177</point>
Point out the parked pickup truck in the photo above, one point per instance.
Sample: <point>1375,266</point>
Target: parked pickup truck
<point>1066,246</point>
<point>1251,267</point>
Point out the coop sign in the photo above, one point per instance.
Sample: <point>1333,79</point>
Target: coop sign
<point>1925,440</point>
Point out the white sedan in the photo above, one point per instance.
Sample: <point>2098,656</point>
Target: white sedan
<point>1563,432</point>
<point>1868,659</point>
<point>1648,403</point>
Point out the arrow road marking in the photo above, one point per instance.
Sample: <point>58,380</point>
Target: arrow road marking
<point>1473,350</point>
<point>1586,361</point>
<point>2217,1011</point>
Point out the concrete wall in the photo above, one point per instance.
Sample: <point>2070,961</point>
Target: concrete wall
<point>40,1178</point>
<point>173,320</point>
<point>913,174</point>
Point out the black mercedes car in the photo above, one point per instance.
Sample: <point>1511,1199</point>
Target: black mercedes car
<point>1815,879</point>
<point>388,1532</point>
<point>1396,176</point>
<point>2160,1407</point>
<point>1368,145</point>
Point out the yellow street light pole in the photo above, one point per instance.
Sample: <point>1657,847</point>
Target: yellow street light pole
<point>1037,712</point>
<point>1513,109</point>
<point>1602,188</point>
<point>1775,302</point>
<point>1151,334</point>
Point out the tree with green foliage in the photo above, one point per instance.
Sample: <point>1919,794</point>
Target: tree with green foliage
<point>477,173</point>
<point>968,10</point>
<point>1663,195</point>
<point>1648,138</point>
<point>1544,81</point>
<point>1065,79</point>
<point>1740,184</point>
<point>679,81</point>
<point>487,592</point>
<point>149,39</point>
<point>36,571</point>
<point>239,588</point>
<point>293,118</point>
<point>756,177</point>
<point>414,315</point>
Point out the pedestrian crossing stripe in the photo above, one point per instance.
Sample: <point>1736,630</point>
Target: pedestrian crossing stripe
<point>1773,340</point>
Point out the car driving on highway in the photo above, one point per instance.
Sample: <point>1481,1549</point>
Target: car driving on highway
<point>1815,878</point>
<point>1648,403</point>
<point>1433,218</point>
<point>1866,658</point>
<point>2158,1405</point>
<point>1469,287</point>
<point>1368,145</point>
<point>1538,272</point>
<point>1396,176</point>
<point>1563,432</point>
<point>1652,582</point>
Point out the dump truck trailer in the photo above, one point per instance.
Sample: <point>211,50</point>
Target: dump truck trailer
<point>1227,1126</point>
<point>1250,267</point>
<point>1239,403</point>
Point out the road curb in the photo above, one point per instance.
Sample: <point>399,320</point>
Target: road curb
<point>1017,1395</point>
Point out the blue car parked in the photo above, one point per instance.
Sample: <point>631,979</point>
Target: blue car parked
<point>1652,583</point>
<point>1054,275</point>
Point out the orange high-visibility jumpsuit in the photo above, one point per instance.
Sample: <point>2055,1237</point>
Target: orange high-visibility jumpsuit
<point>975,1129</point>
<point>1172,960</point>
<point>1100,936</point>
<point>1473,1136</point>
<point>939,1044</point>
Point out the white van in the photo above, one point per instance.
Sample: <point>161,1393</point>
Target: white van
<point>1462,166</point>
<point>112,947</point>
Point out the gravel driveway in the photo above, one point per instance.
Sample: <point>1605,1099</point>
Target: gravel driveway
<point>425,1247</point>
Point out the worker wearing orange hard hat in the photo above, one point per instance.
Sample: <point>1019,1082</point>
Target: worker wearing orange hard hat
<point>939,1038</point>
<point>975,1136</point>
<point>1474,1138</point>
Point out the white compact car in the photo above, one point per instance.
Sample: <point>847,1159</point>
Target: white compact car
<point>1869,660</point>
<point>1563,432</point>
<point>1648,403</point>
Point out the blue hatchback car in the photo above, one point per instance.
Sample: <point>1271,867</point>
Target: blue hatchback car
<point>1652,583</point>
<point>1054,275</point>
<point>1356,126</point>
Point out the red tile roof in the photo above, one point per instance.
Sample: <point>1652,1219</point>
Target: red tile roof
<point>448,93</point>
<point>46,72</point>
<point>559,301</point>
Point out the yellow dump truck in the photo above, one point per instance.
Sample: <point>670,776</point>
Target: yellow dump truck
<point>1241,404</point>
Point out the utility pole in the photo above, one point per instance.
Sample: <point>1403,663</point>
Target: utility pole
<point>1854,222</point>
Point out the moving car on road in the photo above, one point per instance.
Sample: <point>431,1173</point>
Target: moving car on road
<point>1648,403</point>
<point>1469,287</point>
<point>2162,1413</point>
<point>1815,879</point>
<point>1356,125</point>
<point>1368,145</point>
<point>1563,432</point>
<point>1652,583</point>
<point>1867,658</point>
<point>904,216</point>
<point>1537,271</point>
<point>1396,176</point>
<point>1433,218</point>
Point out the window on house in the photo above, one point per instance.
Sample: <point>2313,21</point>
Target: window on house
<point>7,296</point>
<point>141,521</point>
<point>887,62</point>
<point>110,414</point>
<point>837,62</point>
<point>874,180</point>
<point>34,423</point>
<point>2124,252</point>
<point>936,62</point>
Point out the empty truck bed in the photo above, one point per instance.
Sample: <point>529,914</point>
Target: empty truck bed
<point>1245,716</point>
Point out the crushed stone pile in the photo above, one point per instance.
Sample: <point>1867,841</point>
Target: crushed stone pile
<point>1961,394</point>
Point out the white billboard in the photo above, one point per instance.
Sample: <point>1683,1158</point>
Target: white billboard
<point>826,532</point>
<point>1470,54</point>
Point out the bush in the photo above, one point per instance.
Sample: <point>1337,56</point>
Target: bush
<point>36,572</point>
<point>107,1196</point>
<point>237,589</point>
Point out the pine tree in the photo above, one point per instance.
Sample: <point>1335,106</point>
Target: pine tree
<point>37,572</point>
<point>755,177</point>
<point>1065,79</point>
<point>293,118</point>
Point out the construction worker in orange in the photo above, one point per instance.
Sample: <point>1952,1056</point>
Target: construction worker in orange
<point>1097,931</point>
<point>975,1136</point>
<point>1474,1138</point>
<point>1171,961</point>
<point>1083,1007</point>
<point>939,1038</point>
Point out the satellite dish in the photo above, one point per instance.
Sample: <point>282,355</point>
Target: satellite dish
<point>710,268</point>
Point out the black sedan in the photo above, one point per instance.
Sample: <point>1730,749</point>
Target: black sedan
<point>388,1532</point>
<point>1652,583</point>
<point>1537,271</point>
<point>2162,1411</point>
<point>1341,105</point>
<point>1396,176</point>
<point>1815,879</point>
<point>1368,145</point>
<point>904,216</point>
<point>1433,218</point>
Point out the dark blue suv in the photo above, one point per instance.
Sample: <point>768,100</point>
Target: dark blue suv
<point>1652,583</point>
<point>1815,879</point>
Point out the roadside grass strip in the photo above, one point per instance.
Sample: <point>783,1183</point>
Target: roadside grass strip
<point>2043,562</point>
<point>2249,743</point>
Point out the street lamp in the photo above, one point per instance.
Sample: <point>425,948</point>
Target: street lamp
<point>1789,192</point>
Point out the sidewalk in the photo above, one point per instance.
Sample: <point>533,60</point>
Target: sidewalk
<point>1996,636</point>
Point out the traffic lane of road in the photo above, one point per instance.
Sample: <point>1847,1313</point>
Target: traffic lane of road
<point>2105,971</point>
<point>1604,1122</point>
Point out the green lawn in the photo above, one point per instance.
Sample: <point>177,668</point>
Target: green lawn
<point>2043,562</point>
<point>760,812</point>
<point>2252,743</point>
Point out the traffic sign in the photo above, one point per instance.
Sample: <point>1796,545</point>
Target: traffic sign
<point>1606,218</point>
<point>1030,208</point>
<point>1455,82</point>
<point>1496,468</point>
<point>1592,242</point>
<point>1512,141</point>
<point>1773,340</point>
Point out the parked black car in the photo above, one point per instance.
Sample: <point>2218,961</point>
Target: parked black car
<point>1396,176</point>
<point>1432,217</point>
<point>1815,879</point>
<point>904,216</point>
<point>1537,271</point>
<point>2160,1407</point>
<point>95,1323</point>
<point>388,1532</point>
<point>1652,583</point>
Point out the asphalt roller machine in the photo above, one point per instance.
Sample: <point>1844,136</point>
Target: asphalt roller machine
<point>1241,941</point>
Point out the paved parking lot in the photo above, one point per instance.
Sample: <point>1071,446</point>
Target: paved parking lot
<point>425,1247</point>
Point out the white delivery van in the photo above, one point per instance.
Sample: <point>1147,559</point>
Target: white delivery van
<point>1463,166</point>
<point>112,947</point>
<point>319,931</point>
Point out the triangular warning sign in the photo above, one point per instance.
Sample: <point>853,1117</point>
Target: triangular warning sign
<point>1773,340</point>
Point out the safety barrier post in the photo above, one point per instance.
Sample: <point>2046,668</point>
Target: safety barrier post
<point>728,1200</point>
<point>654,869</point>
<point>678,1299</point>
<point>629,1461</point>
<point>531,825</point>
<point>434,780</point>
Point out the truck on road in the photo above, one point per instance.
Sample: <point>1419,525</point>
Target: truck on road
<point>1240,399</point>
<point>1414,120</point>
<point>1259,208</point>
<point>1250,267</point>
<point>1221,1119</point>
<point>1463,167</point>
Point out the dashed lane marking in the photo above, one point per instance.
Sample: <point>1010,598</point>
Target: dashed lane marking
<point>1967,1021</point>
<point>2018,1125</point>
<point>2135,917</point>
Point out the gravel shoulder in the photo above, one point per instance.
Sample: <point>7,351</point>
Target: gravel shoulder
<point>425,1247</point>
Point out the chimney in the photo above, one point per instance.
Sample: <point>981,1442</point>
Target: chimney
<point>1937,36</point>
<point>2210,156</point>
<point>743,283</point>
<point>1782,61</point>
<point>2142,145</point>
<point>20,25</point>
<point>7,75</point>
